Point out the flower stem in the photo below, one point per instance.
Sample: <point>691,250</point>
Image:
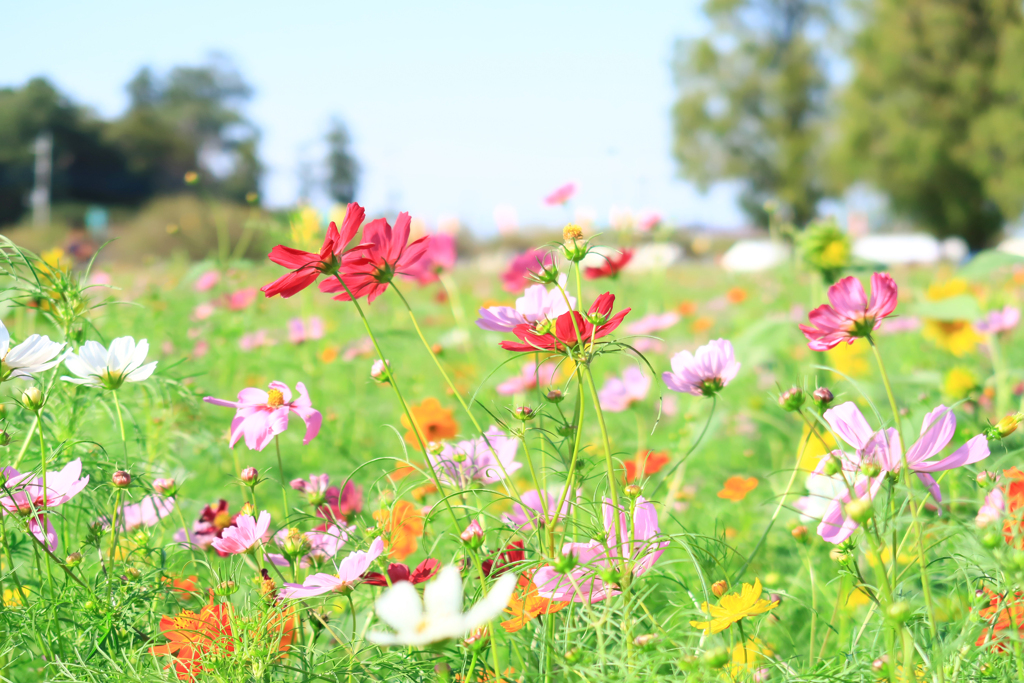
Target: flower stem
<point>280,472</point>
<point>120,423</point>
<point>609,465</point>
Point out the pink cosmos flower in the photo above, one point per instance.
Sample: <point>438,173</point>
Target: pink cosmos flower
<point>241,299</point>
<point>649,324</point>
<point>147,512</point>
<point>705,373</point>
<point>341,504</point>
<point>539,507</point>
<point>307,266</point>
<point>439,258</point>
<point>324,545</point>
<point>315,489</point>
<point>201,348</point>
<point>595,557</point>
<point>349,574</point>
<point>474,460</point>
<point>28,497</point>
<point>538,306</point>
<point>561,195</point>
<point>851,315</point>
<point>527,379</point>
<point>363,347</point>
<point>517,276</point>
<point>899,325</point>
<point>617,395</point>
<point>203,311</point>
<point>648,220</point>
<point>385,253</point>
<point>300,330</point>
<point>992,510</point>
<point>883,448</point>
<point>99,278</point>
<point>245,536</point>
<point>255,340</point>
<point>207,281</point>
<point>261,415</point>
<point>999,321</point>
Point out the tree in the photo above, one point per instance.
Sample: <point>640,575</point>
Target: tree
<point>752,102</point>
<point>342,167</point>
<point>934,115</point>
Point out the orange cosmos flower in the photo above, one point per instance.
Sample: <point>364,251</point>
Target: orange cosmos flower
<point>1001,614</point>
<point>185,586</point>
<point>527,606</point>
<point>737,488</point>
<point>736,295</point>
<point>435,422</point>
<point>403,470</point>
<point>193,638</point>
<point>687,308</point>
<point>702,324</point>
<point>647,463</point>
<point>401,525</point>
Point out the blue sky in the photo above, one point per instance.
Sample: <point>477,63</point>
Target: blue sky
<point>454,107</point>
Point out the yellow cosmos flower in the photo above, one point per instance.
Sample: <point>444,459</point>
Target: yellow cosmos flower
<point>857,598</point>
<point>815,449</point>
<point>849,359</point>
<point>903,558</point>
<point>956,336</point>
<point>937,291</point>
<point>732,607</point>
<point>959,383</point>
<point>305,228</point>
<point>749,656</point>
<point>11,598</point>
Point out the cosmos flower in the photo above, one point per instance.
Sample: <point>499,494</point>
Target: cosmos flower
<point>705,373</point>
<point>598,323</point>
<point>820,492</point>
<point>997,322</point>
<point>440,257</point>
<point>537,507</point>
<point>425,570</point>
<point>528,605</point>
<point>527,379</point>
<point>649,324</point>
<point>261,415</point>
<point>28,497</point>
<point>241,299</point>
<point>35,354</point>
<point>245,536</point>
<point>612,266</point>
<point>517,275</point>
<point>207,281</point>
<point>212,522</point>
<point>300,331</point>
<point>561,195</point>
<point>146,513</point>
<point>383,253</point>
<point>438,616</point>
<point>618,394</point>
<point>315,489</point>
<point>349,574</point>
<point>341,504</point>
<point>95,366</point>
<point>401,525</point>
<point>737,488</point>
<point>645,463</point>
<point>435,423</point>
<point>305,266</point>
<point>851,315</point>
<point>537,307</point>
<point>1003,613</point>
<point>732,608</point>
<point>324,543</point>
<point>486,459</point>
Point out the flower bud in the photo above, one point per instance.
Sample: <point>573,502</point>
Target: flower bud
<point>899,611</point>
<point>121,479</point>
<point>73,560</point>
<point>870,468</point>
<point>645,639</point>
<point>459,457</point>
<point>800,533</point>
<point>632,491</point>
<point>574,656</point>
<point>566,430</point>
<point>436,349</point>
<point>775,597</point>
<point>986,479</point>
<point>524,413</point>
<point>5,438</point>
<point>165,487</point>
<point>566,563</point>
<point>296,544</point>
<point>991,540</point>
<point>473,535</point>
<point>716,658</point>
<point>792,399</point>
<point>381,371</point>
<point>860,510</point>
<point>225,588</point>
<point>554,396</point>
<point>132,574</point>
<point>477,637</point>
<point>822,397</point>
<point>250,475</point>
<point>248,509</point>
<point>719,587</point>
<point>880,664</point>
<point>32,399</point>
<point>318,619</point>
<point>1006,426</point>
<point>833,466</point>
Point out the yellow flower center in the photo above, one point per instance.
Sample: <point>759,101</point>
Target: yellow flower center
<point>222,520</point>
<point>275,399</point>
<point>572,232</point>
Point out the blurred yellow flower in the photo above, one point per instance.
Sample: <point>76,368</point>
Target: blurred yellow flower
<point>11,598</point>
<point>857,598</point>
<point>849,359</point>
<point>815,449</point>
<point>904,558</point>
<point>749,656</point>
<point>305,228</point>
<point>52,257</point>
<point>337,213</point>
<point>956,336</point>
<point>959,383</point>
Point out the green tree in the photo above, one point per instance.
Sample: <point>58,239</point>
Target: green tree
<point>934,115</point>
<point>342,166</point>
<point>752,102</point>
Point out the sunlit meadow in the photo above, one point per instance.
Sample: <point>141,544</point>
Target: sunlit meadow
<point>368,459</point>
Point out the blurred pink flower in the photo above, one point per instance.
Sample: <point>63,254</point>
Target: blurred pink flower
<point>300,331</point>
<point>100,278</point>
<point>341,504</point>
<point>439,257</point>
<point>363,347</point>
<point>315,488</point>
<point>242,299</point>
<point>261,415</point>
<point>201,348</point>
<point>245,536</point>
<point>27,497</point>
<point>851,315</point>
<point>207,281</point>
<point>324,544</point>
<point>474,460</point>
<point>147,512</point>
<point>899,325</point>
<point>648,220</point>
<point>999,321</point>
<point>649,324</point>
<point>349,574</point>
<point>539,507</point>
<point>561,195</point>
<point>618,394</point>
<point>705,373</point>
<point>527,379</point>
<point>992,510</point>
<point>203,311</point>
<point>255,340</point>
<point>536,306</point>
<point>515,279</point>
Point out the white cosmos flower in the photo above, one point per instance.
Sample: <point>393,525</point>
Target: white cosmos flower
<point>35,354</point>
<point>439,616</point>
<point>97,367</point>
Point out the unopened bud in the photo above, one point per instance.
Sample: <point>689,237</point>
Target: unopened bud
<point>800,533</point>
<point>870,468</point>
<point>574,655</point>
<point>32,399</point>
<point>121,479</point>
<point>225,588</point>
<point>985,479</point>
<point>132,574</point>
<point>459,457</point>
<point>165,487</point>
<point>477,637</point>
<point>719,587</point>
<point>524,413</point>
<point>473,535</point>
<point>248,509</point>
<point>566,430</point>
<point>822,397</point>
<point>73,560</point>
<point>899,612</point>
<point>554,396</point>
<point>632,491</point>
<point>860,510</point>
<point>436,349</point>
<point>833,466</point>
<point>296,544</point>
<point>1008,425</point>
<point>880,663</point>
<point>250,475</point>
<point>381,371</point>
<point>775,597</point>
<point>645,639</point>
<point>791,399</point>
<point>566,563</point>
<point>5,438</point>
<point>716,658</point>
<point>991,539</point>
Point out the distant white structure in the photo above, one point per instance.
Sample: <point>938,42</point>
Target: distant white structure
<point>657,256</point>
<point>40,197</point>
<point>1013,245</point>
<point>754,256</point>
<point>899,249</point>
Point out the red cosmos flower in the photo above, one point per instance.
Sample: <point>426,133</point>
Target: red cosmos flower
<point>341,504</point>
<point>307,266</point>
<point>611,267</point>
<point>383,253</point>
<point>400,572</point>
<point>596,324</point>
<point>507,559</point>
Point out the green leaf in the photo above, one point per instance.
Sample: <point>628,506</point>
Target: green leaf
<point>982,266</point>
<point>961,307</point>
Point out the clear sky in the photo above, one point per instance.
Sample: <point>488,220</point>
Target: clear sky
<point>454,107</point>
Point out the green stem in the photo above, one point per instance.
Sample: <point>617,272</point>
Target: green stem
<point>120,422</point>
<point>609,465</point>
<point>280,471</point>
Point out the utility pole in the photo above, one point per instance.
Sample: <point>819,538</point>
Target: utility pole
<point>40,198</point>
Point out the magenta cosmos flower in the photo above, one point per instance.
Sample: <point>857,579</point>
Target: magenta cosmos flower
<point>341,504</point>
<point>595,557</point>
<point>883,449</point>
<point>350,572</point>
<point>537,507</point>
<point>245,536</point>
<point>484,460</point>
<point>618,394</point>
<point>439,258</point>
<point>527,379</point>
<point>261,415</point>
<point>561,195</point>
<point>538,307</point>
<point>306,266</point>
<point>997,322</point>
<point>851,315</point>
<point>28,498</point>
<point>704,373</point>
<point>384,253</point>
<point>517,276</point>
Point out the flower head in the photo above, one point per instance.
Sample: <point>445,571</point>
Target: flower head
<point>705,373</point>
<point>737,488</point>
<point>487,459</point>
<point>538,307</point>
<point>306,266</point>
<point>401,526</point>
<point>315,489</point>
<point>350,572</point>
<point>561,195</point>
<point>340,504</point>
<point>527,379</point>
<point>424,571</point>
<point>440,257</point>
<point>537,508</point>
<point>598,323</point>
<point>261,415</point>
<point>300,330</point>
<point>618,394</point>
<point>27,496</point>
<point>245,536</point>
<point>316,547</point>
<point>997,322</point>
<point>96,366</point>
<point>527,606</point>
<point>645,463</point>
<point>612,266</point>
<point>435,423</point>
<point>146,513</point>
<point>517,276</point>
<point>35,354</point>
<point>851,315</point>
<point>732,607</point>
